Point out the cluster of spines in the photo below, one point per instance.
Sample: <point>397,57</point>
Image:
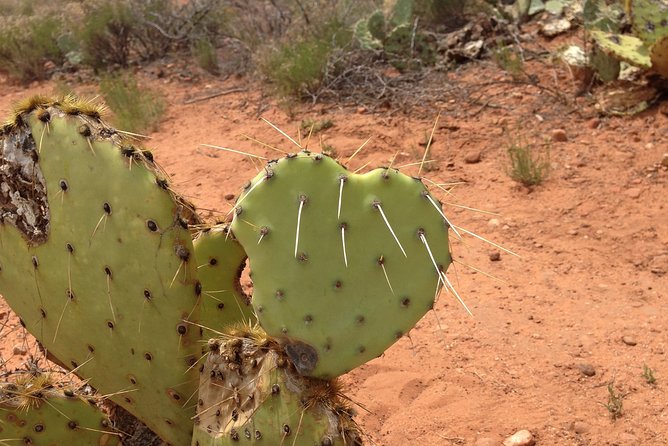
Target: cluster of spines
<point>37,408</point>
<point>251,393</point>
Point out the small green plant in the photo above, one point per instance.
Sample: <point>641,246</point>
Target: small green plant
<point>615,404</point>
<point>314,126</point>
<point>509,60</point>
<point>205,55</point>
<point>26,45</point>
<point>648,375</point>
<point>447,12</point>
<point>106,34</point>
<point>297,68</point>
<point>135,109</point>
<point>329,150</point>
<point>526,164</point>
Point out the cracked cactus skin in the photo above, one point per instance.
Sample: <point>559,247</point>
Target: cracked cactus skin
<point>337,288</point>
<point>220,261</point>
<point>96,260</point>
<point>251,394</point>
<point>34,411</point>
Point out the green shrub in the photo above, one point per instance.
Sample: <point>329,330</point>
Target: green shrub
<point>509,60</point>
<point>445,12</point>
<point>135,110</point>
<point>313,125</point>
<point>297,67</point>
<point>27,44</point>
<point>526,164</point>
<point>648,374</point>
<point>106,34</point>
<point>205,55</point>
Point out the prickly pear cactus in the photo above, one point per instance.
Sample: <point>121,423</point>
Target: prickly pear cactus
<point>220,261</point>
<point>370,32</point>
<point>36,410</point>
<point>646,48</point>
<point>649,19</point>
<point>251,394</point>
<point>393,32</point>
<point>398,12</point>
<point>343,265</point>
<point>96,260</point>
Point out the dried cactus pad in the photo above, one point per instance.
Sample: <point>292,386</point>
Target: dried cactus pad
<point>659,57</point>
<point>342,264</point>
<point>630,49</point>
<point>96,260</point>
<point>220,260</point>
<point>250,394</point>
<point>34,413</point>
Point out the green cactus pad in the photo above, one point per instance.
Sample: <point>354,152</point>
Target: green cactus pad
<point>35,411</point>
<point>399,12</point>
<point>221,260</point>
<point>659,57</point>
<point>627,48</point>
<point>95,260</point>
<point>365,38</point>
<point>607,67</point>
<point>376,25</point>
<point>250,394</point>
<point>334,310</point>
<point>649,20</point>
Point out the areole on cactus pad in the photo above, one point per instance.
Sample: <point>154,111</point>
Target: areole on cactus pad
<point>38,409</point>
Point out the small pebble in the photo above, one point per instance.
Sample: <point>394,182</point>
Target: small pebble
<point>580,427</point>
<point>628,439</point>
<point>493,223</point>
<point>19,349</point>
<point>572,232</point>
<point>628,340</point>
<point>473,157</point>
<point>495,256</point>
<point>520,438</point>
<point>559,135</point>
<point>633,192</point>
<point>229,197</point>
<point>361,110</point>
<point>586,369</point>
<point>664,160</point>
<point>594,123</point>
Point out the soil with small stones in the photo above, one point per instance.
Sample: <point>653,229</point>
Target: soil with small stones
<point>584,305</point>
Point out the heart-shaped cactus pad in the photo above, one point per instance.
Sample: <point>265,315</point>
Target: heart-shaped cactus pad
<point>342,264</point>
